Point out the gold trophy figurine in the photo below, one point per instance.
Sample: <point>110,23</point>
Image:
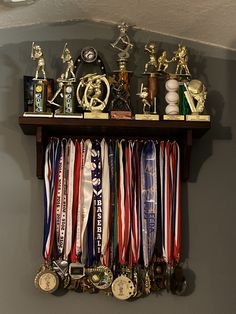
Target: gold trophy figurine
<point>181,56</point>
<point>92,93</point>
<point>146,115</point>
<point>196,95</point>
<point>66,89</point>
<point>37,55</point>
<point>40,84</point>
<point>151,71</point>
<point>123,45</point>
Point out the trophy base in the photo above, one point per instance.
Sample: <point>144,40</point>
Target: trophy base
<point>198,117</point>
<point>96,115</point>
<point>174,117</point>
<point>69,115</point>
<point>126,115</point>
<point>154,117</point>
<point>38,114</point>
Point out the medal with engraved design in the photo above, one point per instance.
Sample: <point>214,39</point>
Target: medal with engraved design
<point>46,280</point>
<point>123,288</point>
<point>101,277</point>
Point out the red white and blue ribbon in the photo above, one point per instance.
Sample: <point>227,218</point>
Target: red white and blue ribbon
<point>148,200</point>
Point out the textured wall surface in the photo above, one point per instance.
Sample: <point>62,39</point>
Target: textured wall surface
<point>209,21</point>
<point>209,209</point>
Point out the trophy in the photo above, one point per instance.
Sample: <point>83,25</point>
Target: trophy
<point>92,94</point>
<point>172,98</point>
<point>120,105</point>
<point>66,89</point>
<point>196,95</point>
<point>146,115</point>
<point>40,85</point>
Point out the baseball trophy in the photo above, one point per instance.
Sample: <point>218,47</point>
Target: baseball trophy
<point>66,89</point>
<point>92,94</point>
<point>120,105</point>
<point>172,98</point>
<point>196,95</point>
<point>40,85</point>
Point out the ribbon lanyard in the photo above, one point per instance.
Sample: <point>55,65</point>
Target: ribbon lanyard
<point>52,155</point>
<point>68,196</point>
<point>77,175</point>
<point>176,207</point>
<point>135,206</point>
<point>97,197</point>
<point>105,202</point>
<point>87,194</point>
<point>170,201</point>
<point>112,151</point>
<point>148,200</point>
<point>124,191</point>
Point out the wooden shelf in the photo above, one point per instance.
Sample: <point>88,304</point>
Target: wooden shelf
<point>44,128</point>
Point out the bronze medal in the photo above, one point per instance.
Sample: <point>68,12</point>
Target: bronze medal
<point>46,280</point>
<point>123,288</point>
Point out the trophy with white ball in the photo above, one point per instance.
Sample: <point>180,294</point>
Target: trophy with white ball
<point>172,99</point>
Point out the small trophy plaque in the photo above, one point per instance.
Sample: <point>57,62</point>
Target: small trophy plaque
<point>66,89</point>
<point>120,105</point>
<point>196,95</point>
<point>39,85</point>
<point>92,94</point>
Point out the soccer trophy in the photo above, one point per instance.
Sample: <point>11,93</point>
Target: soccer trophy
<point>120,105</point>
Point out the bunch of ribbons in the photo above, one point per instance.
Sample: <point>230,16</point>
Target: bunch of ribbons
<point>112,203</point>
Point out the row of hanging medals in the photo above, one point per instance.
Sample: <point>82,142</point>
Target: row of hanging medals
<point>112,217</point>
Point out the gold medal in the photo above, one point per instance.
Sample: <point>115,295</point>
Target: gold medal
<point>101,277</point>
<point>123,288</point>
<point>46,280</point>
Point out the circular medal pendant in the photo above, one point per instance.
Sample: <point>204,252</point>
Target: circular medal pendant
<point>102,277</point>
<point>47,281</point>
<point>122,288</point>
<point>89,54</point>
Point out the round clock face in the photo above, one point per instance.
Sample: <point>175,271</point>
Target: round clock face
<point>89,54</point>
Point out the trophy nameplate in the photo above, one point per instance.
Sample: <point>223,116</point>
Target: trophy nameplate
<point>96,115</point>
<point>119,115</point>
<point>37,115</point>
<point>198,117</point>
<point>153,117</point>
<point>173,117</point>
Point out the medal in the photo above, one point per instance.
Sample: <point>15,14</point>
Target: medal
<point>101,277</point>
<point>76,271</point>
<point>123,288</point>
<point>46,280</point>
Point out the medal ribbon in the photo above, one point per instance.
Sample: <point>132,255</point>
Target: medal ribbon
<point>97,196</point>
<point>70,158</point>
<point>105,202</point>
<point>148,200</point>
<point>77,169</point>
<point>87,193</point>
<point>52,155</point>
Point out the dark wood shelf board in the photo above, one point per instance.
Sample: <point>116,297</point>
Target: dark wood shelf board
<point>115,128</point>
<point>183,131</point>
